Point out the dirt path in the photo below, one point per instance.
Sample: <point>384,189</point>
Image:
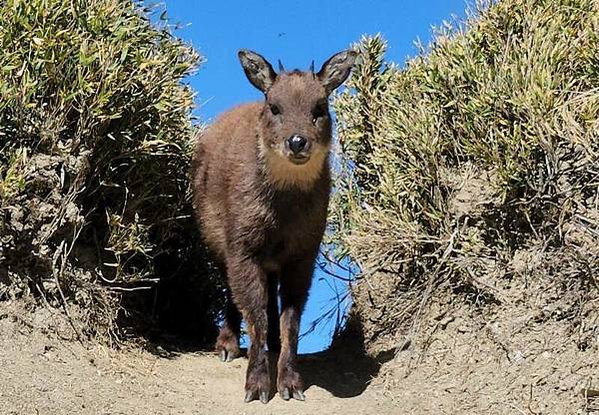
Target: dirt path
<point>44,374</point>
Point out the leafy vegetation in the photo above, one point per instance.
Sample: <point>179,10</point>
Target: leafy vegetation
<point>95,133</point>
<point>474,168</point>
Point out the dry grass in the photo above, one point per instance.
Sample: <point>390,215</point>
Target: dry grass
<point>474,169</point>
<point>95,127</point>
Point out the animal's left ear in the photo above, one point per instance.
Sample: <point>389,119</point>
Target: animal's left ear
<point>336,70</point>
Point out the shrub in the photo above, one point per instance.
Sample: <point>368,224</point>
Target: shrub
<point>95,133</point>
<point>474,165</point>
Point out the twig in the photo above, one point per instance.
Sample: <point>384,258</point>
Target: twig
<point>51,311</point>
<point>589,222</point>
<point>322,267</point>
<point>129,289</point>
<point>530,402</point>
<point>58,273</point>
<point>429,287</point>
<point>516,408</point>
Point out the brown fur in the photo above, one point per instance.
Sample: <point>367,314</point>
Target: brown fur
<point>263,215</point>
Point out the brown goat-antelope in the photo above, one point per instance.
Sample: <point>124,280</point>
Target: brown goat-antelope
<point>261,192</point>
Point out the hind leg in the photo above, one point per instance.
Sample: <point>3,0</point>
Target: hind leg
<point>273,339</point>
<point>227,344</point>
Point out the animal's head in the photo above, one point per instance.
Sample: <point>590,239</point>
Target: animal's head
<point>295,120</point>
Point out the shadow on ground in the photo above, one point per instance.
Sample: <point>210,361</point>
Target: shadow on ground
<point>345,369</point>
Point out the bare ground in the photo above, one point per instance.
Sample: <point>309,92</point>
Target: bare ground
<point>44,372</point>
<point>534,351</point>
<point>460,363</point>
<point>505,365</point>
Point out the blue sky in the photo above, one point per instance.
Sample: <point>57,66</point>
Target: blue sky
<point>297,33</point>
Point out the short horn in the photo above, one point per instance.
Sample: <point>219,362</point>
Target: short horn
<point>281,67</point>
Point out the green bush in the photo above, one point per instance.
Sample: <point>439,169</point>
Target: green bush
<point>95,135</point>
<point>481,149</point>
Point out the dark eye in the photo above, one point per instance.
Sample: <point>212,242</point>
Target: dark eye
<point>319,111</point>
<point>274,109</point>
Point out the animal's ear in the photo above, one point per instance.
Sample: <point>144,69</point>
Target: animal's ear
<point>257,69</point>
<point>336,70</point>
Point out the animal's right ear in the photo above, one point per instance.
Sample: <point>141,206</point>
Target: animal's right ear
<point>257,69</point>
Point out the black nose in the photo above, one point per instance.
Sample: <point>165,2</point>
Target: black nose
<point>297,143</point>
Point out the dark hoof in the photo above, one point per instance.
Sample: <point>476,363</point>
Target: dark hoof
<point>226,356</point>
<point>257,381</point>
<point>227,345</point>
<point>290,385</point>
<point>251,396</point>
<point>299,395</point>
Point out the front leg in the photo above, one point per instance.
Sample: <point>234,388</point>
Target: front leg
<point>249,287</point>
<point>295,283</point>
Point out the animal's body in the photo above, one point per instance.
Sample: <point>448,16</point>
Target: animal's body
<point>261,192</point>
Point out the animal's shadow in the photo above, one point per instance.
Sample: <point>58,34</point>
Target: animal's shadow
<point>344,370</point>
<point>344,376</point>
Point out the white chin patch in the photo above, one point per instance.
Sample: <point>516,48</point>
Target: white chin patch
<point>284,172</point>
